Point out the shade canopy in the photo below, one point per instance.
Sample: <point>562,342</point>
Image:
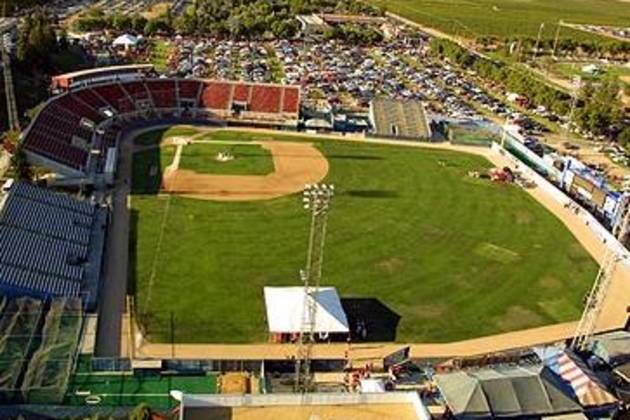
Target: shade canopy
<point>126,40</point>
<point>285,310</point>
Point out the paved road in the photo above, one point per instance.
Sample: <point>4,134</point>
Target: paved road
<point>114,289</point>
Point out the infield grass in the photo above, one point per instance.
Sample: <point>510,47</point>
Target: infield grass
<point>248,159</point>
<point>509,18</point>
<point>440,255</point>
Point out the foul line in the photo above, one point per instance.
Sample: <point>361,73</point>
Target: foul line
<point>158,250</point>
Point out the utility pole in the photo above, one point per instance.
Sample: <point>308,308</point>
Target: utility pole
<point>316,199</point>
<point>12,113</point>
<point>540,29</point>
<point>597,296</point>
<point>555,41</point>
<point>577,83</point>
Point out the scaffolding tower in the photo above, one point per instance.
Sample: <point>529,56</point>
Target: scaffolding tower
<point>316,199</point>
<point>597,296</point>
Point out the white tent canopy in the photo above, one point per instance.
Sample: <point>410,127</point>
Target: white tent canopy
<point>285,308</point>
<point>126,40</point>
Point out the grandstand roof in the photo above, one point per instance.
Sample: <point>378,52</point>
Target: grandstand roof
<point>285,310</point>
<point>50,244</point>
<point>399,119</point>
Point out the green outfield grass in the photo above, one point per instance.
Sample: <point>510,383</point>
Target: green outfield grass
<point>452,256</point>
<point>248,159</point>
<point>509,18</point>
<point>126,390</point>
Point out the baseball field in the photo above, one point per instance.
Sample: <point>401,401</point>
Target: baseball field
<point>509,18</point>
<point>416,247</point>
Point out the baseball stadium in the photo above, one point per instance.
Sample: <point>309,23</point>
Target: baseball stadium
<point>417,249</point>
<point>199,249</point>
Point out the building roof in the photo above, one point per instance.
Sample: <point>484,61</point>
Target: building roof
<point>613,347</point>
<point>505,392</point>
<point>285,310</point>
<point>399,118</point>
<point>587,387</point>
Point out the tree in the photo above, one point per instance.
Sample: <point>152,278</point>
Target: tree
<point>36,41</point>
<point>21,166</point>
<point>624,138</point>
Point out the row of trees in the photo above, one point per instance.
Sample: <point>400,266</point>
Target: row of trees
<point>250,19</point>
<point>566,46</point>
<point>598,109</point>
<point>357,34</point>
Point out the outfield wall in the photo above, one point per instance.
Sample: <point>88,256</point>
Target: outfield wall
<point>561,198</point>
<point>315,399</point>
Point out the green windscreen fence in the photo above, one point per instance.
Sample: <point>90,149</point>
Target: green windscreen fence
<point>38,346</point>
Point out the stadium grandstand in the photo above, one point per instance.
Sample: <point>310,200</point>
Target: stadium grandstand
<point>399,119</point>
<point>51,245</point>
<point>75,133</point>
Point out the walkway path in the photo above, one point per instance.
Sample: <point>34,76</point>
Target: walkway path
<point>114,289</point>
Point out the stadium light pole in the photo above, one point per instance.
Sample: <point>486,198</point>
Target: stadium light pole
<point>540,29</point>
<point>555,42</point>
<point>316,199</point>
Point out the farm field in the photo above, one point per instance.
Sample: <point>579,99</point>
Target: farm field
<point>508,18</point>
<point>446,256</point>
<point>567,70</point>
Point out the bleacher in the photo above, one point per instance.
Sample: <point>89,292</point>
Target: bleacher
<point>291,100</point>
<point>216,95</point>
<point>163,92</point>
<point>266,99</point>
<point>65,131</point>
<point>50,244</point>
<point>189,89</point>
<point>137,90</point>
<point>113,94</point>
<point>399,119</point>
<point>241,93</point>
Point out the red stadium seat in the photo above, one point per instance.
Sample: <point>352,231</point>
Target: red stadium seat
<point>188,89</point>
<point>241,93</point>
<point>216,95</point>
<point>137,90</point>
<point>163,93</point>
<point>112,93</point>
<point>265,99</point>
<point>291,100</point>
